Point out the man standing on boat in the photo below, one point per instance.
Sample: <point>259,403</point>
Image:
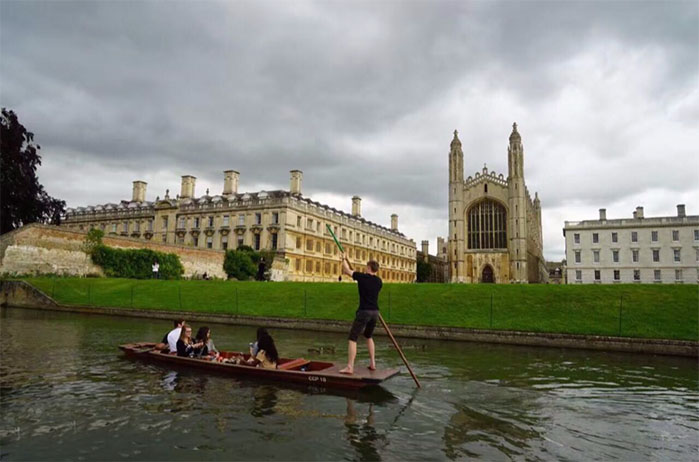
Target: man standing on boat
<point>369,286</point>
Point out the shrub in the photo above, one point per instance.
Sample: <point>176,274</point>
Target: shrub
<point>239,264</point>
<point>136,263</point>
<point>93,239</point>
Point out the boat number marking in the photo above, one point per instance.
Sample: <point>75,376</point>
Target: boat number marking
<point>315,378</point>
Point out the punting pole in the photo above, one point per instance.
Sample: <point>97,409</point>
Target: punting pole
<point>383,323</point>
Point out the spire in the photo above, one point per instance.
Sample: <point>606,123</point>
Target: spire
<point>455,142</point>
<point>515,134</point>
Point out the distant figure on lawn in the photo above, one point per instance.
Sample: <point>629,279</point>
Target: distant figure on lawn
<point>156,270</point>
<point>369,286</point>
<point>261,270</point>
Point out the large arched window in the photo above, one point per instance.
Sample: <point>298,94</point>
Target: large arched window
<point>487,226</point>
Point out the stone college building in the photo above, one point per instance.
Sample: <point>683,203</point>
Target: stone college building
<point>283,221</point>
<point>494,225</point>
<point>637,249</point>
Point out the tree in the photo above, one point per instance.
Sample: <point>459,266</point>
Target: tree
<point>23,199</point>
<point>92,240</point>
<point>239,264</point>
<point>424,270</point>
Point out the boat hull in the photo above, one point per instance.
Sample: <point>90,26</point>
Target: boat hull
<point>318,374</point>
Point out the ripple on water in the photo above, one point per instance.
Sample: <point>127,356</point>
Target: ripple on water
<point>67,393</point>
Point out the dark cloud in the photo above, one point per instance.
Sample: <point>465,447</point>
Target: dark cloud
<point>362,96</point>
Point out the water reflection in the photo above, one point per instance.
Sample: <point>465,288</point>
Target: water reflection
<point>361,432</point>
<point>182,382</point>
<point>264,401</point>
<point>66,392</point>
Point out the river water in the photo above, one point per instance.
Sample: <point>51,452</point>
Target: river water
<point>67,393</point>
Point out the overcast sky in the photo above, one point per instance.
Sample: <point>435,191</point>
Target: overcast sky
<point>364,98</point>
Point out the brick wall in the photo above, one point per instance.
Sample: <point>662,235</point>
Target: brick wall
<point>42,249</point>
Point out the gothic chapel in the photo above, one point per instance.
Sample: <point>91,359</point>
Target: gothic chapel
<point>494,226</point>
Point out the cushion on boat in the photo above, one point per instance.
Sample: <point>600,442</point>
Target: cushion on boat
<point>300,362</point>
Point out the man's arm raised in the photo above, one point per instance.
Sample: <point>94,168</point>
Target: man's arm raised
<point>345,266</point>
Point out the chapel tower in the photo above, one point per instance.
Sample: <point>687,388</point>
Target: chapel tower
<point>517,204</point>
<point>456,210</point>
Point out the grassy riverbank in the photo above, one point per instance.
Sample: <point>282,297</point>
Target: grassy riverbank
<point>651,311</point>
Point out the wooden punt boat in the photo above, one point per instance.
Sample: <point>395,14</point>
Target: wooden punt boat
<point>297,371</point>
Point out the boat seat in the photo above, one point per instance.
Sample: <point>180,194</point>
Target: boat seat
<point>300,362</point>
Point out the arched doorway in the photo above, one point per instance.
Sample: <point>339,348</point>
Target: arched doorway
<point>487,275</point>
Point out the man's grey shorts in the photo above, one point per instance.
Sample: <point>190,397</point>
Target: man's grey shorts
<point>364,320</point>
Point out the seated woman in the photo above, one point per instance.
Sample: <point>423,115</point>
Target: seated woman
<point>204,337</point>
<point>254,347</point>
<point>185,346</point>
<point>267,355</point>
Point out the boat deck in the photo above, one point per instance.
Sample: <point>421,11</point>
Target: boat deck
<point>297,370</point>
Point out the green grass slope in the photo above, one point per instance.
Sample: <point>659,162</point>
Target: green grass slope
<point>650,311</point>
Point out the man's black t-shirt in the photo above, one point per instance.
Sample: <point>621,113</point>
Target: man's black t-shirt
<point>369,287</point>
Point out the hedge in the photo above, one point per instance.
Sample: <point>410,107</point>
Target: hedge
<point>136,263</point>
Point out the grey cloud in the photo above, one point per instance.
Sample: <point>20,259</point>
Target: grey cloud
<point>264,87</point>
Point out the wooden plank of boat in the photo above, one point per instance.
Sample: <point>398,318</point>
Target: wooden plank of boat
<point>319,373</point>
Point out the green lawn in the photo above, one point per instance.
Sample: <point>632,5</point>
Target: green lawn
<point>653,311</point>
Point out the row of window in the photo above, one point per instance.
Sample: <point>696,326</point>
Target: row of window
<point>209,241</point>
<point>616,275</point>
<point>635,253</point>
<point>312,267</point>
<point>359,238</point>
<point>196,222</point>
<point>634,236</point>
<point>331,249</point>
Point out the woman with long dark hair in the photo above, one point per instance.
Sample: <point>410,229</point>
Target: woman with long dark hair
<point>204,337</point>
<point>267,355</point>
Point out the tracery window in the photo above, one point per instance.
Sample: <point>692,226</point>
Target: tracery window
<point>487,226</point>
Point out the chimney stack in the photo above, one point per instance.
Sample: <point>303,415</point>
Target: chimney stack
<point>139,191</point>
<point>230,182</point>
<point>639,212</point>
<point>187,190</point>
<point>394,222</point>
<point>357,206</point>
<point>296,179</point>
<point>425,250</point>
<point>681,211</point>
<point>602,214</point>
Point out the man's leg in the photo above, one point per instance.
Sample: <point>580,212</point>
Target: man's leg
<point>368,333</point>
<point>360,320</point>
<point>351,355</point>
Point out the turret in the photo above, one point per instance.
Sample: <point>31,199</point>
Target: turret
<point>296,178</point>
<point>356,206</point>
<point>139,191</point>
<point>187,189</point>
<point>394,222</point>
<point>230,182</point>
<point>517,204</point>
<point>456,211</point>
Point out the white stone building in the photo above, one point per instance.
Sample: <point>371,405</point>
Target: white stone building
<point>633,250</point>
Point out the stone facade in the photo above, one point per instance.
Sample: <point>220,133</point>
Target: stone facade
<point>42,249</point>
<point>286,222</point>
<point>438,264</point>
<point>557,271</point>
<point>494,225</point>
<point>633,250</point>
